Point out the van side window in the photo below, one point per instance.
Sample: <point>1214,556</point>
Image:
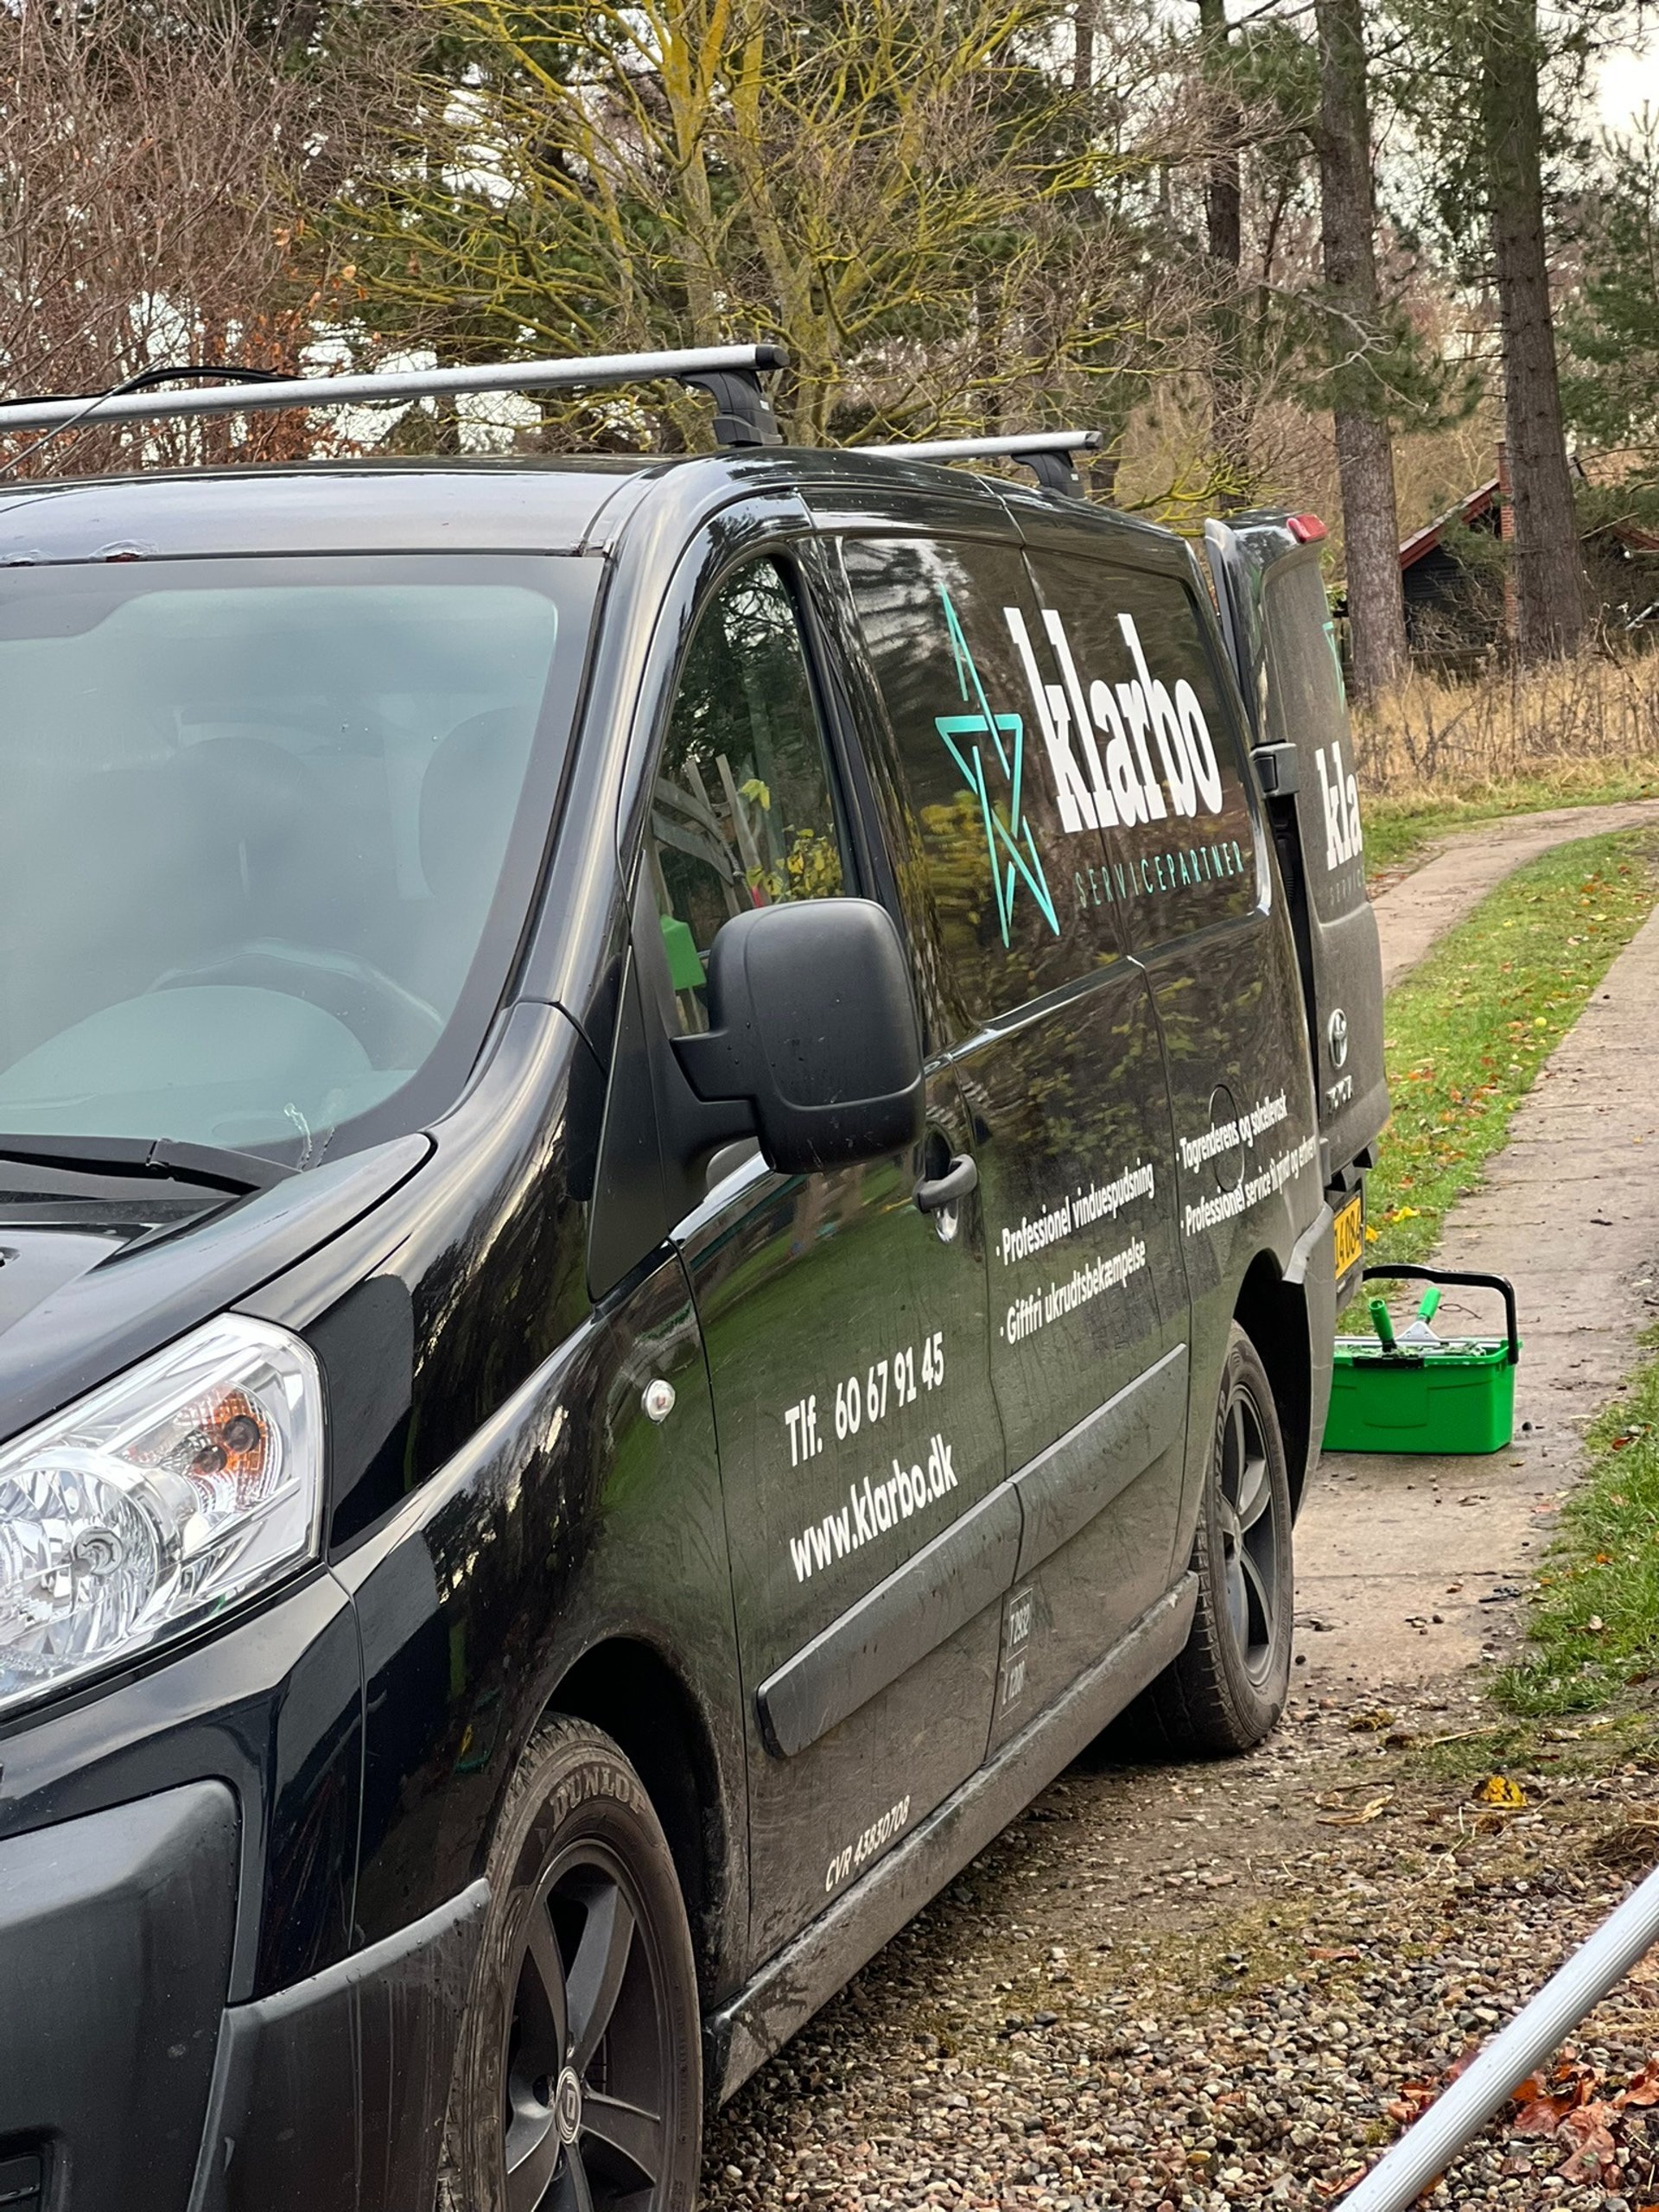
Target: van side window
<point>1019,906</point>
<point>1170,791</point>
<point>742,811</point>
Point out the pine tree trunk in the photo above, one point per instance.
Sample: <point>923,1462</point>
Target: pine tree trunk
<point>1550,596</point>
<point>1371,527</point>
<point>1223,216</point>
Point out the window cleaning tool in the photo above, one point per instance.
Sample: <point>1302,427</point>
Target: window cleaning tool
<point>1427,1306</point>
<point>1418,1391</point>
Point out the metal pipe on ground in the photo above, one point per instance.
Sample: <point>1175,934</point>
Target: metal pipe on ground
<point>1429,2146</point>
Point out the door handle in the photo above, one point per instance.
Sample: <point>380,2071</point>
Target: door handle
<point>934,1193</point>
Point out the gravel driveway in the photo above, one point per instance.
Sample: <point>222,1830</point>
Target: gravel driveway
<point>1199,1988</point>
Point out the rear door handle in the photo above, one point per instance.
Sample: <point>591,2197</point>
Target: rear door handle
<point>933,1194</point>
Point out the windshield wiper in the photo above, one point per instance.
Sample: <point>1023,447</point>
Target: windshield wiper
<point>214,1166</point>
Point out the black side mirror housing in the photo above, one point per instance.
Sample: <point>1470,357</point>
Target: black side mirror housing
<point>812,1025</point>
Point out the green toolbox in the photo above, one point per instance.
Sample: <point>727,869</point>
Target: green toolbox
<point>1419,1392</point>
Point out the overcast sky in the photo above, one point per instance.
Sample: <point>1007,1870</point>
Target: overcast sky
<point>1630,82</point>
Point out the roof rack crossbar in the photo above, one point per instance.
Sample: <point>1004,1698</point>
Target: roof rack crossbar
<point>729,374</point>
<point>1047,454</point>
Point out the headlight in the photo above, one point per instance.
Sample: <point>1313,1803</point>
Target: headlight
<point>156,1502</point>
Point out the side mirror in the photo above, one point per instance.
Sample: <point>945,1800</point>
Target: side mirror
<point>813,1026</point>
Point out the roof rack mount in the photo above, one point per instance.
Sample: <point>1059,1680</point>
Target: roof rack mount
<point>1047,454</point>
<point>729,374</point>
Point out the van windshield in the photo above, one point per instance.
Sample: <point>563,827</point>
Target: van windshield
<point>262,822</point>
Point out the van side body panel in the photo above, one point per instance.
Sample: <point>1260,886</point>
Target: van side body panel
<point>1227,991</point>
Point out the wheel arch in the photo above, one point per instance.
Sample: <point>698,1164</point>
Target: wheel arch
<point>626,1687</point>
<point>1273,1315</point>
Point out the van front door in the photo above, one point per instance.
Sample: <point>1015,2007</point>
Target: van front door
<point>871,1533</point>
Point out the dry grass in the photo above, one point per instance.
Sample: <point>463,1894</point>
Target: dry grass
<point>1571,721</point>
<point>1442,755</point>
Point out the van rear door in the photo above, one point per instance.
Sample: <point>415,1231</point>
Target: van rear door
<point>1274,613</point>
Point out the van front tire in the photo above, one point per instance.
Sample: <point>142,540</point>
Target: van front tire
<point>1229,1687</point>
<point>578,2081</point>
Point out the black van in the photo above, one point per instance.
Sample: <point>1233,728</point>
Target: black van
<point>668,1221</point>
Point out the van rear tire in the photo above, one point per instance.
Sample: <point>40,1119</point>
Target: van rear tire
<point>1226,1691</point>
<point>578,2076</point>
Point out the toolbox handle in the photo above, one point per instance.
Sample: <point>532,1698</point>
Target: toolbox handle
<point>1501,1283</point>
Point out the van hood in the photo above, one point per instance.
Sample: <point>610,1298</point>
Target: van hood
<point>79,1301</point>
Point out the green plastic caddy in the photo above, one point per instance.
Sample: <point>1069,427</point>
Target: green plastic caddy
<point>1421,1392</point>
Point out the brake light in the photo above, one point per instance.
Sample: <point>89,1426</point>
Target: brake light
<point>1305,529</point>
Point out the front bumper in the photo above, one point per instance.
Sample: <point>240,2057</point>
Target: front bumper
<point>115,1948</point>
<point>330,2096</point>
<point>127,2081</point>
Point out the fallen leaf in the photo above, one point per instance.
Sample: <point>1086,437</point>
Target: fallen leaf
<point>1543,2115</point>
<point>1587,2132</point>
<point>1413,2099</point>
<point>1370,1718</point>
<point>1498,1789</point>
<point>1330,2189</point>
<point>1368,1811</point>
<point>1644,2089</point>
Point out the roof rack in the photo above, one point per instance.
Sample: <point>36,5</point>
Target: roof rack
<point>729,374</point>
<point>1047,454</point>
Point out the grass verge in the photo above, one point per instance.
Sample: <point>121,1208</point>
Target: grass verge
<point>1594,1625</point>
<point>1468,1031</point>
<point>1398,828</point>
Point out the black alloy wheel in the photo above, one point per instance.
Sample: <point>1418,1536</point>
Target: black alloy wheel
<point>578,2083</point>
<point>1250,1534</point>
<point>1228,1687</point>
<point>586,2062</point>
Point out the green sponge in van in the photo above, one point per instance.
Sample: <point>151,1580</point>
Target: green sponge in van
<point>684,968</point>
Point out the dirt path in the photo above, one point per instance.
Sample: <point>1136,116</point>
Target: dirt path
<point>1401,1562</point>
<point>1413,911</point>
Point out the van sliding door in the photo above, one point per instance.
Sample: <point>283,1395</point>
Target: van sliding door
<point>1053,1039</point>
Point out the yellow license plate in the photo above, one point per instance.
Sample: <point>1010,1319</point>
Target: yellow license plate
<point>1349,1227</point>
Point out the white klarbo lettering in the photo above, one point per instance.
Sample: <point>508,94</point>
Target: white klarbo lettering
<point>1118,784</point>
<point>1340,792</point>
<point>873,1508</point>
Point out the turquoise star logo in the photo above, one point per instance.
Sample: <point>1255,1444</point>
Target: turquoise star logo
<point>1008,834</point>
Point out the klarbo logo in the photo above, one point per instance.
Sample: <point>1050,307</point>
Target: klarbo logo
<point>1013,851</point>
<point>1340,793</point>
<point>1120,784</point>
<point>1100,745</point>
